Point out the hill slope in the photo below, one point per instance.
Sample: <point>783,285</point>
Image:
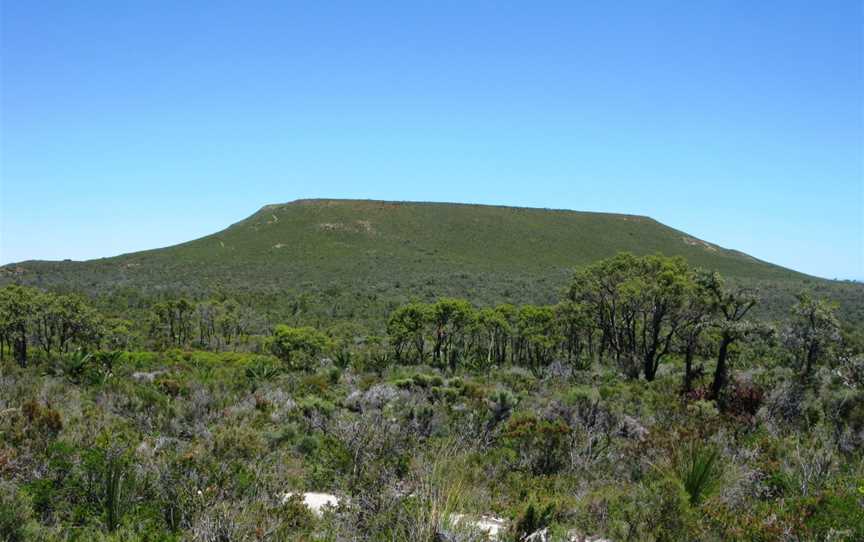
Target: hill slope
<point>393,250</point>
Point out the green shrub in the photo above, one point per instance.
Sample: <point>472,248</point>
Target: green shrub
<point>404,383</point>
<point>540,445</point>
<point>423,381</point>
<point>298,346</point>
<point>835,516</point>
<point>16,514</point>
<point>535,516</point>
<point>294,518</point>
<point>658,510</point>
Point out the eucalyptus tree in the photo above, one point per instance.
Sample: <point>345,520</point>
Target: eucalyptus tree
<point>406,329</point>
<point>494,329</point>
<point>731,306</point>
<point>64,320</point>
<point>814,331</point>
<point>696,319</point>
<point>638,304</point>
<point>230,323</point>
<point>206,315</point>
<point>662,287</point>
<point>578,332</point>
<point>16,309</point>
<point>600,287</point>
<point>509,314</point>
<point>171,322</point>
<point>450,319</point>
<point>538,336</point>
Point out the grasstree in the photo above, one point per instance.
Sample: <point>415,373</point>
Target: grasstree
<point>115,473</point>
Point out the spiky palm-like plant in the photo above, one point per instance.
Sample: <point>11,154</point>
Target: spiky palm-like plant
<point>115,472</point>
<point>699,470</point>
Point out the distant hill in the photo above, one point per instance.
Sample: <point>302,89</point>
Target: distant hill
<point>385,252</point>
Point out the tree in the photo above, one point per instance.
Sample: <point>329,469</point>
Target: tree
<point>117,333</point>
<point>450,319</point>
<point>600,288</point>
<point>206,314</point>
<point>814,331</point>
<point>297,346</point>
<point>638,303</point>
<point>577,330</point>
<point>538,336</point>
<point>16,308</point>
<point>696,318</point>
<point>64,320</point>
<point>171,322</point>
<point>495,330</point>
<point>406,327</point>
<point>731,307</point>
<point>662,287</point>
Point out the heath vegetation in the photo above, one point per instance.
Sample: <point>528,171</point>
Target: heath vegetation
<point>651,400</point>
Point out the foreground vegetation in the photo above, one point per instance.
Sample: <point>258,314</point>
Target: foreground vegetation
<point>646,404</point>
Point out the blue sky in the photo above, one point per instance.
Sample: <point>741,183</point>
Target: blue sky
<point>133,125</point>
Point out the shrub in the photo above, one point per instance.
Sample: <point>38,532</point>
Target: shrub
<point>657,510</point>
<point>16,514</point>
<point>45,420</point>
<point>294,516</point>
<point>743,399</point>
<point>534,517</point>
<point>500,404</point>
<point>298,346</point>
<point>835,516</point>
<point>540,445</point>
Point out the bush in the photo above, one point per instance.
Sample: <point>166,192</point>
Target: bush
<point>298,346</point>
<point>16,514</point>
<point>535,516</point>
<point>540,445</point>
<point>658,510</point>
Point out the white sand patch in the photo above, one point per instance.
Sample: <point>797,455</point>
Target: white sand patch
<point>316,502</point>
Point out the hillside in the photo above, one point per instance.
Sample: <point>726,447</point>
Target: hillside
<point>385,252</point>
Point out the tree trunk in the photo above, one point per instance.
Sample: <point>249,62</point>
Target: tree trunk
<point>688,367</point>
<point>650,365</point>
<point>811,358</point>
<point>721,373</point>
<point>21,351</point>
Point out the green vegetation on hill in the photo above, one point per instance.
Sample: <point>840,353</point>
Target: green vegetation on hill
<point>347,259</point>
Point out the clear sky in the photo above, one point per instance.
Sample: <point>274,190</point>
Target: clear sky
<point>133,125</point>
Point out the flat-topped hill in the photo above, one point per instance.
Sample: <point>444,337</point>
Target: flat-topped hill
<point>394,250</point>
